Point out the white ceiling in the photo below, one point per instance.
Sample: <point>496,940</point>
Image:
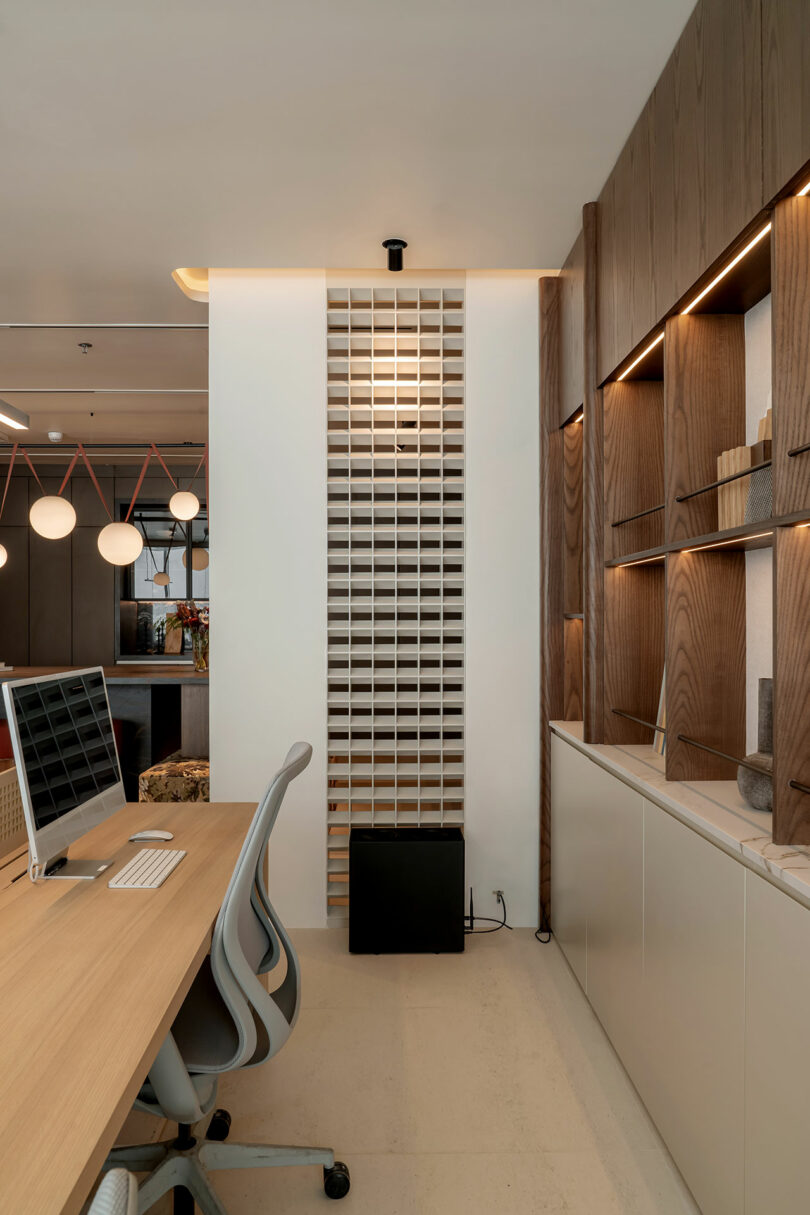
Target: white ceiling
<point>141,137</point>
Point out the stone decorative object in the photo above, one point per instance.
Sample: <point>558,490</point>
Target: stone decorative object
<point>757,787</point>
<point>176,779</point>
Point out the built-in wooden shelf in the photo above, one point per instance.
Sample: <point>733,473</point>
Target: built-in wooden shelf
<point>759,534</point>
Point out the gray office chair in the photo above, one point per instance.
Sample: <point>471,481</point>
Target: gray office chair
<point>227,1021</point>
<point>117,1195</point>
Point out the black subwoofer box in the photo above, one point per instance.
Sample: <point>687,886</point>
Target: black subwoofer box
<point>406,890</point>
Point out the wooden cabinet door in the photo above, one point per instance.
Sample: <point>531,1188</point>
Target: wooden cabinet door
<point>785,92</point>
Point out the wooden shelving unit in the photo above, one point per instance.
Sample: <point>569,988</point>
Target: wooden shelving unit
<point>674,584</point>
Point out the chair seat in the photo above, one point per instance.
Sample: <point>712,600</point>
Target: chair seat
<point>176,779</point>
<point>204,1086</point>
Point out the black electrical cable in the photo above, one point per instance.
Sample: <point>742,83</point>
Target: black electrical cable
<point>472,931</point>
<point>543,934</point>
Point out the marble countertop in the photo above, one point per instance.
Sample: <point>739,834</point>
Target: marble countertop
<point>715,809</point>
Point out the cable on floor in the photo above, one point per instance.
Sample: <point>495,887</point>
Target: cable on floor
<point>472,931</point>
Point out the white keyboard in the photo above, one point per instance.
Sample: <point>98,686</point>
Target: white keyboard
<point>147,870</point>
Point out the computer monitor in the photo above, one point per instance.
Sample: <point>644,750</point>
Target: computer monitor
<point>67,765</point>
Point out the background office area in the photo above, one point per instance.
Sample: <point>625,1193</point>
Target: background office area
<point>516,537</point>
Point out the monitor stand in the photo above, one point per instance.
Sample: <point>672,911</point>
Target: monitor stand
<point>61,867</point>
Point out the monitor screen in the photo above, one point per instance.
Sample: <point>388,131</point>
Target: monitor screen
<point>66,742</point>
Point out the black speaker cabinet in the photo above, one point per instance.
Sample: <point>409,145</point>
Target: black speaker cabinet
<point>406,890</point>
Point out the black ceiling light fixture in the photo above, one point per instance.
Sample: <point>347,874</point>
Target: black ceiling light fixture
<point>395,245</point>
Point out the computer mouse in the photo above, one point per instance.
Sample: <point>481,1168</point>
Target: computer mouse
<point>141,837</point>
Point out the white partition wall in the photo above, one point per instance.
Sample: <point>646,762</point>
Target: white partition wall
<point>269,608</point>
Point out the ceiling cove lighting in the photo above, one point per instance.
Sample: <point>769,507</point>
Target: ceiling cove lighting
<point>659,337</point>
<point>724,543</point>
<point>13,417</point>
<point>763,232</point>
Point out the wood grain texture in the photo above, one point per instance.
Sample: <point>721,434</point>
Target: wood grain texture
<point>572,694</point>
<point>704,412</point>
<point>705,662</point>
<point>571,288</point>
<point>194,736</point>
<point>92,979</point>
<point>93,601</point>
<point>572,519</point>
<point>634,464</point>
<point>593,554</point>
<point>551,564</point>
<point>635,612</point>
<point>791,354</point>
<point>785,92</point>
<point>791,757</point>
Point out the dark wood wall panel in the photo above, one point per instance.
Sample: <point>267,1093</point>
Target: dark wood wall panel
<point>635,612</point>
<point>572,696</point>
<point>689,178</point>
<point>14,596</point>
<point>704,410</point>
<point>634,464</point>
<point>571,289</point>
<point>705,662</point>
<point>593,511</point>
<point>49,589</point>
<point>791,760</point>
<point>572,520</point>
<point>93,602</point>
<point>785,91</point>
<point>790,260</point>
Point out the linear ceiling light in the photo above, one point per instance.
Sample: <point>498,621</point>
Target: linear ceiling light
<point>658,338</point>
<point>726,269</point>
<point>13,417</point>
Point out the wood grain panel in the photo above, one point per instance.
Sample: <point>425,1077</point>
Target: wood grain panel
<point>790,252</point>
<point>785,92</point>
<point>49,590</point>
<point>791,760</point>
<point>551,563</point>
<point>593,555</point>
<point>571,280</point>
<point>572,519</point>
<point>14,596</point>
<point>634,464</point>
<point>89,510</point>
<point>635,610</point>
<point>93,600</point>
<point>572,695</point>
<point>704,411</point>
<point>705,662</point>
<point>15,512</point>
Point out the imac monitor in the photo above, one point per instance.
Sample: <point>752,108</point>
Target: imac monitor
<point>67,765</point>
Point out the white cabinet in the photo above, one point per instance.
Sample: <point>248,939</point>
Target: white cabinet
<point>777,1068</point>
<point>571,838</point>
<point>692,1077</point>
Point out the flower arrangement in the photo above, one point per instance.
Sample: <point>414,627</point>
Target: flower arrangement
<point>194,620</point>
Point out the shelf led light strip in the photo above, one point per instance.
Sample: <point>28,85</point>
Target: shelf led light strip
<point>659,337</point>
<point>641,561</point>
<point>763,232</point>
<point>723,543</point>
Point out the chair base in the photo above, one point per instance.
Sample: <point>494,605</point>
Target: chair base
<point>179,1164</point>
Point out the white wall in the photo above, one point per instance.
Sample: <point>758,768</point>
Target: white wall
<point>759,563</point>
<point>502,592</point>
<point>268,561</point>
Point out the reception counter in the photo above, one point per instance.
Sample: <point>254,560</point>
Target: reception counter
<point>162,708</point>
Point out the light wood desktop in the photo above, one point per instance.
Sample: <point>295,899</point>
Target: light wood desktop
<point>90,981</point>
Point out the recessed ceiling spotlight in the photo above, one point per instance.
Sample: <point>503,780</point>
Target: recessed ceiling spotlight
<point>395,245</point>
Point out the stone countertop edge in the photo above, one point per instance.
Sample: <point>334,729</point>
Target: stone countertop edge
<point>714,809</point>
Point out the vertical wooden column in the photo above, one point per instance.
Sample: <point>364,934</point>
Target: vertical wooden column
<point>790,264</point>
<point>635,611</point>
<point>572,571</point>
<point>592,502</point>
<point>551,566</point>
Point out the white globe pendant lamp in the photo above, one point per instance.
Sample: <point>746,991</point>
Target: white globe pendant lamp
<point>52,517</point>
<point>161,578</point>
<point>120,543</point>
<point>199,559</point>
<point>184,505</point>
<point>3,555</point>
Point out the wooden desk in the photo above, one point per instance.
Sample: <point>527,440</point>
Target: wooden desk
<point>90,981</point>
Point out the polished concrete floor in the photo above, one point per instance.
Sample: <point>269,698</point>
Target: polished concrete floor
<point>474,1084</point>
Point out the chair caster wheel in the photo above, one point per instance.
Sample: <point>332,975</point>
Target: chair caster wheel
<point>219,1127</point>
<point>336,1181</point>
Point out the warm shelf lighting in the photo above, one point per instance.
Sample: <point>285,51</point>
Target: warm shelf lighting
<point>578,418</point>
<point>658,338</point>
<point>727,269</point>
<point>804,190</point>
<point>641,561</point>
<point>13,417</point>
<point>723,543</point>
